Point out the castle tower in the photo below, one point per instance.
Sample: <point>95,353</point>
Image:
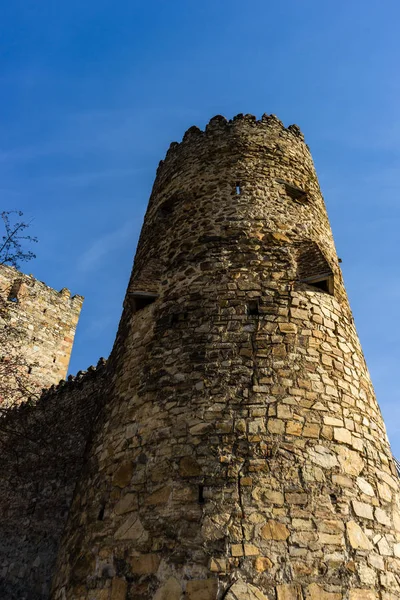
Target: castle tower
<point>240,453</point>
<point>40,323</point>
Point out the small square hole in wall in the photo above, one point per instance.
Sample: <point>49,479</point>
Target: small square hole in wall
<point>14,291</point>
<point>139,300</point>
<point>252,308</point>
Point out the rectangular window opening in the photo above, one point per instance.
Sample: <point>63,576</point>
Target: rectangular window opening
<point>14,291</point>
<point>252,308</point>
<point>294,192</point>
<point>140,300</point>
<point>238,189</point>
<point>325,285</point>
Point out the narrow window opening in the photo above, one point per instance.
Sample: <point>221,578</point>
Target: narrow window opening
<point>294,192</point>
<point>238,188</point>
<point>140,300</point>
<point>201,494</point>
<point>44,311</point>
<point>325,284</point>
<point>29,370</point>
<point>14,291</point>
<point>100,516</point>
<point>252,308</point>
<point>54,360</point>
<point>322,285</point>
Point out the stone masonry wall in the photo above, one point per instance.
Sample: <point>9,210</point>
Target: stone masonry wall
<point>47,320</point>
<point>241,453</point>
<point>42,449</point>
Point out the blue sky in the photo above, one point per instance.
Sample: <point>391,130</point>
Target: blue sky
<point>93,93</point>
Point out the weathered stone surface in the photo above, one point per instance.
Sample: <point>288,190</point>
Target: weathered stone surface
<point>318,592</point>
<point>289,591</point>
<point>363,594</point>
<point>119,589</point>
<point>170,590</point>
<point>239,440</point>
<point>244,591</point>
<point>357,537</point>
<point>123,474</point>
<point>145,564</point>
<point>273,530</point>
<point>202,589</point>
<point>189,467</point>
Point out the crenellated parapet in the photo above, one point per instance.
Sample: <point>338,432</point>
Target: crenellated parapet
<point>43,442</point>
<point>41,322</point>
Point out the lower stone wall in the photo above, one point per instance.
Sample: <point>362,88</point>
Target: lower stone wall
<point>42,450</point>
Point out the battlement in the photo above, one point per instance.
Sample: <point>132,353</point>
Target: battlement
<point>241,122</point>
<point>45,321</point>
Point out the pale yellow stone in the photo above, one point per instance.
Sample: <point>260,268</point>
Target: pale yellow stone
<point>296,498</point>
<point>250,550</point>
<point>287,327</point>
<point>322,457</point>
<point>123,474</point>
<point>294,428</point>
<point>384,492</point>
<point>350,460</point>
<point>357,537</point>
<point>331,539</point>
<point>273,530</point>
<point>244,591</point>
<point>340,434</point>
<point>170,590</point>
<point>361,594</point>
<point>218,565</point>
<point>311,430</point>
<point>382,517</point>
<point>126,504</point>
<point>274,497</point>
<point>342,481</point>
<point>365,487</point>
<point>145,564</point>
<point>331,526</point>
<point>262,563</point>
<point>189,467</point>
<point>317,592</point>
<point>276,426</point>
<point>119,589</point>
<point>131,529</point>
<point>161,496</point>
<point>334,421</point>
<point>237,550</point>
<point>289,591</point>
<point>363,510</point>
<point>202,589</point>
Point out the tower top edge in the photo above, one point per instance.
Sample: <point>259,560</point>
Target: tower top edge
<point>220,124</point>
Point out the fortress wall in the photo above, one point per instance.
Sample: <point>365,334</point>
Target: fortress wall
<point>46,320</point>
<point>241,453</point>
<point>42,449</point>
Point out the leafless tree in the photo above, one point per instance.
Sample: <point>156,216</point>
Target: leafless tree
<point>16,385</point>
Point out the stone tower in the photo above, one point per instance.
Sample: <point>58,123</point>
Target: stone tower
<point>43,322</point>
<point>240,452</point>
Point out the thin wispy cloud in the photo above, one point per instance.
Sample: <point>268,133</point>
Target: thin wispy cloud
<point>105,247</point>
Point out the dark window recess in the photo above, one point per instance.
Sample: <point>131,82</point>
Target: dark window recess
<point>313,269</point>
<point>14,291</point>
<point>100,516</point>
<point>294,192</point>
<point>252,308</point>
<point>139,300</point>
<point>29,370</point>
<point>201,494</point>
<point>238,188</point>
